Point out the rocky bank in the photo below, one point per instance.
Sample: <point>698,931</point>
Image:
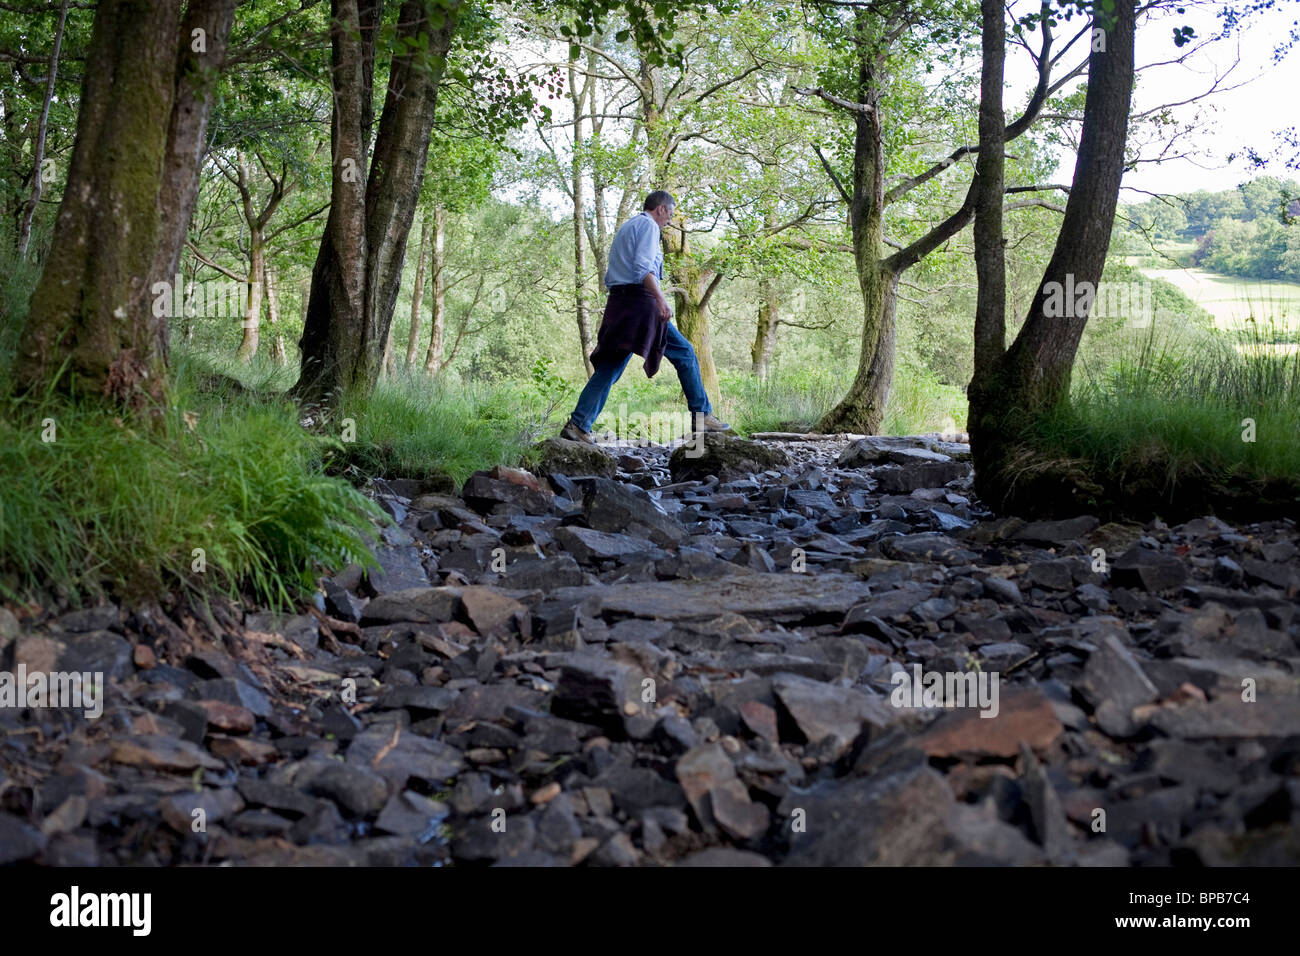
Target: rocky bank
<point>644,658</point>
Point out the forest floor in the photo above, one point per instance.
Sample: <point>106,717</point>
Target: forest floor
<point>787,652</point>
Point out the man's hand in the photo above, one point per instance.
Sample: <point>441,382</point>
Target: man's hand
<point>652,286</point>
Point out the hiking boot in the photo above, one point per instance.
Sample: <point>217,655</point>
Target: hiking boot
<point>707,423</point>
<point>573,433</point>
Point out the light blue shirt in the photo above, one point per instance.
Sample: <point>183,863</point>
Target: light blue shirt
<point>634,252</point>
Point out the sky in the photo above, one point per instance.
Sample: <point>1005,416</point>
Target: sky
<point>1256,99</point>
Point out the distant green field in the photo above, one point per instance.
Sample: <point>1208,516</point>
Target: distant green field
<point>1236,302</point>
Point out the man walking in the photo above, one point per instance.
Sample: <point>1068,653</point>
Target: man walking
<point>637,322</point>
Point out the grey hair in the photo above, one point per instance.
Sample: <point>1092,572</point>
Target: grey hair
<point>660,197</point>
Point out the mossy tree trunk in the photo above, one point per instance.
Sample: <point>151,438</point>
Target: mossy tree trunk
<point>863,408</point>
<point>694,286</point>
<point>91,328</point>
<point>359,267</point>
<point>769,314</point>
<point>272,283</point>
<point>1012,388</point>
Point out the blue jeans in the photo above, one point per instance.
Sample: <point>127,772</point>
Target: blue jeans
<point>677,350</point>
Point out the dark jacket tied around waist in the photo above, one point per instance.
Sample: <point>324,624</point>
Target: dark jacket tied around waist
<point>631,324</point>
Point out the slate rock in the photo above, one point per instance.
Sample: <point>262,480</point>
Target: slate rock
<point>905,479</point>
<point>156,752</point>
<point>357,790</point>
<point>482,492</point>
<point>900,819</point>
<point>284,800</point>
<point>1230,718</point>
<point>400,569</point>
<point>229,690</point>
<point>493,614</point>
<point>873,450</point>
<point>96,652</point>
<point>594,689</point>
<point>1050,824</point>
<point>18,840</point>
<point>711,454</point>
<point>1052,575</point>
<point>1024,716</point>
<point>545,574</point>
<point>302,629</point>
<point>421,605</point>
<point>103,617</point>
<point>702,771</point>
<point>411,757</point>
<point>588,545</point>
<point>1113,683</point>
<point>411,814</point>
<point>420,701</point>
<point>927,547</point>
<point>1149,570</point>
<point>1003,589</point>
<point>1056,533</point>
<point>754,557</point>
<point>477,841</point>
<point>560,456</point>
<point>823,711</point>
<point>178,809</point>
<point>633,789</point>
<point>1271,573</point>
<point>613,507</point>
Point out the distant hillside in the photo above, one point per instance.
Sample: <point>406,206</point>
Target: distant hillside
<point>1252,231</point>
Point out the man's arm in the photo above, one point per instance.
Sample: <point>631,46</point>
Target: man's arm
<point>651,284</point>
<point>645,251</point>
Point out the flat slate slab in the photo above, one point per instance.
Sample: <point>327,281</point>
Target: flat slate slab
<point>779,596</point>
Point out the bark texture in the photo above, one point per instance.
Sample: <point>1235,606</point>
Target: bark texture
<point>359,267</point>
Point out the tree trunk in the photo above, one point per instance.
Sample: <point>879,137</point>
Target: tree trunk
<point>694,287</point>
<point>579,218</point>
<point>187,306</point>
<point>1033,376</point>
<point>862,410</point>
<point>1040,361</point>
<point>769,313</point>
<point>91,327</point>
<point>273,316</point>
<point>42,125</point>
<point>990,246</point>
<point>417,294</point>
<point>361,255</point>
<point>386,367</point>
<point>199,61</point>
<point>253,289</point>
<point>401,151</point>
<point>333,330</point>
<point>438,299</point>
<point>692,318</point>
